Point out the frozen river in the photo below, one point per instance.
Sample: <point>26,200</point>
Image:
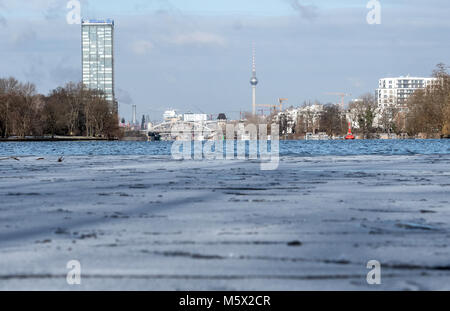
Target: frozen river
<point>138,221</point>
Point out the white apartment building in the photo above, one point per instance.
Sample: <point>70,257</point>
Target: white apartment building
<point>393,92</point>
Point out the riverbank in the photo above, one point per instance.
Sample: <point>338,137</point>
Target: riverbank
<point>55,138</point>
<point>142,139</point>
<point>151,223</point>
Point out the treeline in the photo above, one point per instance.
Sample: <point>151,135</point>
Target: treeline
<point>330,120</point>
<point>426,114</point>
<point>314,117</point>
<point>429,109</point>
<point>363,113</point>
<point>71,110</point>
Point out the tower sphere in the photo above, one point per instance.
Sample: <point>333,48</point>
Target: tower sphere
<point>253,81</point>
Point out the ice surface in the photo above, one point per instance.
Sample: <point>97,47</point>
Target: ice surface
<point>147,222</point>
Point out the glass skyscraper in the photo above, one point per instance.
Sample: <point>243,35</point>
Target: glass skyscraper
<point>98,56</point>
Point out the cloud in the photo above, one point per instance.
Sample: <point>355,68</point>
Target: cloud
<point>142,47</point>
<point>2,18</point>
<point>197,37</point>
<point>336,46</point>
<point>308,12</point>
<point>160,6</point>
<point>65,71</point>
<point>33,71</point>
<point>238,24</point>
<point>44,71</point>
<point>123,97</point>
<point>355,82</point>
<point>54,10</point>
<point>24,38</point>
<point>3,21</point>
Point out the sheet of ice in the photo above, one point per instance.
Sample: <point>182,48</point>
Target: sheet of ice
<point>147,222</point>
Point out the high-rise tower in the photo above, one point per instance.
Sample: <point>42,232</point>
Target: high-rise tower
<point>98,56</point>
<point>253,82</point>
<point>134,116</point>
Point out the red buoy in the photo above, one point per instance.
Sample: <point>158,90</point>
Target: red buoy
<point>349,134</point>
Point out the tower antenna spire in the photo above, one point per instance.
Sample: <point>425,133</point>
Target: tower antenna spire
<point>253,60</point>
<point>253,80</point>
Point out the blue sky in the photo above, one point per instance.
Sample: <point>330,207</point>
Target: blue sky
<point>215,7</point>
<point>194,55</point>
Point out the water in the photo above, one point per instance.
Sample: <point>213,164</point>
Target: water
<point>291,148</point>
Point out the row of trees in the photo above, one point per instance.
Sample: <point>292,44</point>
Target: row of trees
<point>426,113</point>
<point>71,110</point>
<point>363,112</point>
<point>429,109</point>
<point>331,120</point>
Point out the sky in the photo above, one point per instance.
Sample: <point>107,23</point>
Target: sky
<point>195,55</point>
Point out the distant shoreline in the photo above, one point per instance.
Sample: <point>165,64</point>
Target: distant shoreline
<point>131,139</point>
<point>53,139</point>
<point>82,138</point>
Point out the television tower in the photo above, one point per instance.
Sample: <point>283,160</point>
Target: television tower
<point>253,82</point>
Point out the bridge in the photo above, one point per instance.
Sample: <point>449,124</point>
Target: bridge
<point>186,130</point>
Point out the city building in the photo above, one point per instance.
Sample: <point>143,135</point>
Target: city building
<point>306,118</point>
<point>171,116</point>
<point>222,117</point>
<point>393,92</point>
<point>134,115</point>
<point>195,117</point>
<point>98,56</point>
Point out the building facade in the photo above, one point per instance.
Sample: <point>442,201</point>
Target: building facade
<point>98,57</point>
<point>195,117</point>
<point>306,118</point>
<point>171,116</point>
<point>393,92</point>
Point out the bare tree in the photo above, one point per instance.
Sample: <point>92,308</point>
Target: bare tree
<point>429,110</point>
<point>68,110</point>
<point>74,106</point>
<point>332,121</point>
<point>364,111</point>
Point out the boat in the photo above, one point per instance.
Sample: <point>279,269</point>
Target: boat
<point>153,136</point>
